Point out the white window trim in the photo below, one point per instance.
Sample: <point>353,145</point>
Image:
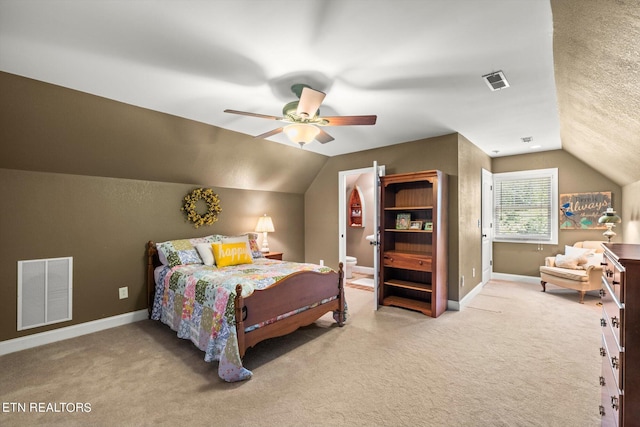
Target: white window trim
<point>550,172</point>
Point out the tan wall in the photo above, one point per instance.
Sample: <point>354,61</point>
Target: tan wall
<point>104,223</point>
<point>471,161</point>
<point>49,128</point>
<point>321,200</point>
<point>58,144</point>
<point>631,213</point>
<point>574,176</point>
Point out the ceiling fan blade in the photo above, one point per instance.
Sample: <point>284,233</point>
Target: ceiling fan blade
<point>261,116</point>
<point>310,100</point>
<point>270,133</point>
<point>323,137</point>
<point>349,120</point>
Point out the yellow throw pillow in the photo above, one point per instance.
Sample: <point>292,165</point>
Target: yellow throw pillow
<point>231,253</point>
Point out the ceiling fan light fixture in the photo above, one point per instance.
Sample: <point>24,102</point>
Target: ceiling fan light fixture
<point>301,133</point>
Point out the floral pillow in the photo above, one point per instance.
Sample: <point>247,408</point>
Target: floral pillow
<point>255,249</point>
<point>183,251</point>
<point>178,252</point>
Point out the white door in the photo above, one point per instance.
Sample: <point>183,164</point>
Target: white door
<point>376,171</point>
<point>487,225</point>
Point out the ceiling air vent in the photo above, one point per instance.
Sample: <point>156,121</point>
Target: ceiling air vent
<point>496,81</point>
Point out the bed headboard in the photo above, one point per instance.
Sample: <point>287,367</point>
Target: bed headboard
<point>153,261</point>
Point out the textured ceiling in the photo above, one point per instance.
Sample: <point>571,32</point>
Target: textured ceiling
<point>597,67</point>
<point>417,65</point>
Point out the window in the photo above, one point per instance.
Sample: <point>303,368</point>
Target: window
<point>526,206</point>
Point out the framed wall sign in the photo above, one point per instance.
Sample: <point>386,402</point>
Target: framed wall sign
<point>580,211</point>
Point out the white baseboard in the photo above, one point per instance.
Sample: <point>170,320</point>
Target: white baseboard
<point>458,305</point>
<point>35,340</point>
<point>532,280</point>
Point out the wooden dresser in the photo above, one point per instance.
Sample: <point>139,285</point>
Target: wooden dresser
<point>620,348</point>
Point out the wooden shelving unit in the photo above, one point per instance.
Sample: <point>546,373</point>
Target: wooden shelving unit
<point>356,208</point>
<point>413,272</point>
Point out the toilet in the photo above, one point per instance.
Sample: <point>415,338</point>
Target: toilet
<point>351,262</point>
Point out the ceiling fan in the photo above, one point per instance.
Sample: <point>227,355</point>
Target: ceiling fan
<point>304,120</point>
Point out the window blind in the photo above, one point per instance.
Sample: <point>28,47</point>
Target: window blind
<point>525,206</point>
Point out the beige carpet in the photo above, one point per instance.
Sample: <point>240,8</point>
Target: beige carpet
<point>513,357</point>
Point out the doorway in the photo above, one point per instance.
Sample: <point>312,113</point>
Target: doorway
<point>358,236</point>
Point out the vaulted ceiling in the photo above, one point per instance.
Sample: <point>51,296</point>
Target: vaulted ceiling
<point>572,66</point>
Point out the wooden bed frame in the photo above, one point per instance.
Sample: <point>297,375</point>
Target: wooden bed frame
<point>294,291</point>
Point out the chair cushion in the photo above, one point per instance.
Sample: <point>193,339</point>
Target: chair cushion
<point>565,273</point>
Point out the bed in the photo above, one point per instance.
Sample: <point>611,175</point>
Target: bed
<point>226,309</point>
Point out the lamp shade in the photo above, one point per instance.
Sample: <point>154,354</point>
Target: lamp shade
<point>609,217</point>
<point>301,133</point>
<point>265,224</point>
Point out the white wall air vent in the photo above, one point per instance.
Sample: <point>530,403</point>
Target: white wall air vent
<point>44,291</point>
<point>496,81</point>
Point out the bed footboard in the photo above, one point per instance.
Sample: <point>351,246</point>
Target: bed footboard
<point>291,293</point>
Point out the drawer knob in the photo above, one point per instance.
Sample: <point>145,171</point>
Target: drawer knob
<point>603,293</point>
<point>616,282</point>
<point>614,403</point>
<point>602,414</point>
<point>602,382</point>
<point>603,322</point>
<point>615,322</point>
<point>615,362</point>
<point>420,262</point>
<point>609,273</point>
<point>603,352</point>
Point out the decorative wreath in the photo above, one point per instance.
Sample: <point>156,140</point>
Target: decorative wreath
<point>213,207</point>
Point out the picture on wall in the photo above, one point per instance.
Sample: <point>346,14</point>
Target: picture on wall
<point>580,211</point>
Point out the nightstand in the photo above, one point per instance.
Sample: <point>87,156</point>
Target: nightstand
<point>273,255</point>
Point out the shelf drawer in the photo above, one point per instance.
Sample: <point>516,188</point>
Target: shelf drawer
<point>407,261</point>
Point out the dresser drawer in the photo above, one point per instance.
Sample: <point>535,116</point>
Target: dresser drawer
<point>611,398</point>
<point>612,314</point>
<point>613,355</point>
<point>613,273</point>
<point>407,261</point>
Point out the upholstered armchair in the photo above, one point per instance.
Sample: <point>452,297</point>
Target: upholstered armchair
<point>578,268</point>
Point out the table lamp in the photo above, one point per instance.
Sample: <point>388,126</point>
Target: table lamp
<point>609,219</point>
<point>265,225</point>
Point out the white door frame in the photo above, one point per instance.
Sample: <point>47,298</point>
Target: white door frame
<point>487,226</point>
<point>342,218</point>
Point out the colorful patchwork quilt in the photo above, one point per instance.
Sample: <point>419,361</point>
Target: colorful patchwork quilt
<point>197,302</point>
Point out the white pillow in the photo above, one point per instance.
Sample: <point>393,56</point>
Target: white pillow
<point>206,253</point>
<point>238,239</point>
<point>576,252</point>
